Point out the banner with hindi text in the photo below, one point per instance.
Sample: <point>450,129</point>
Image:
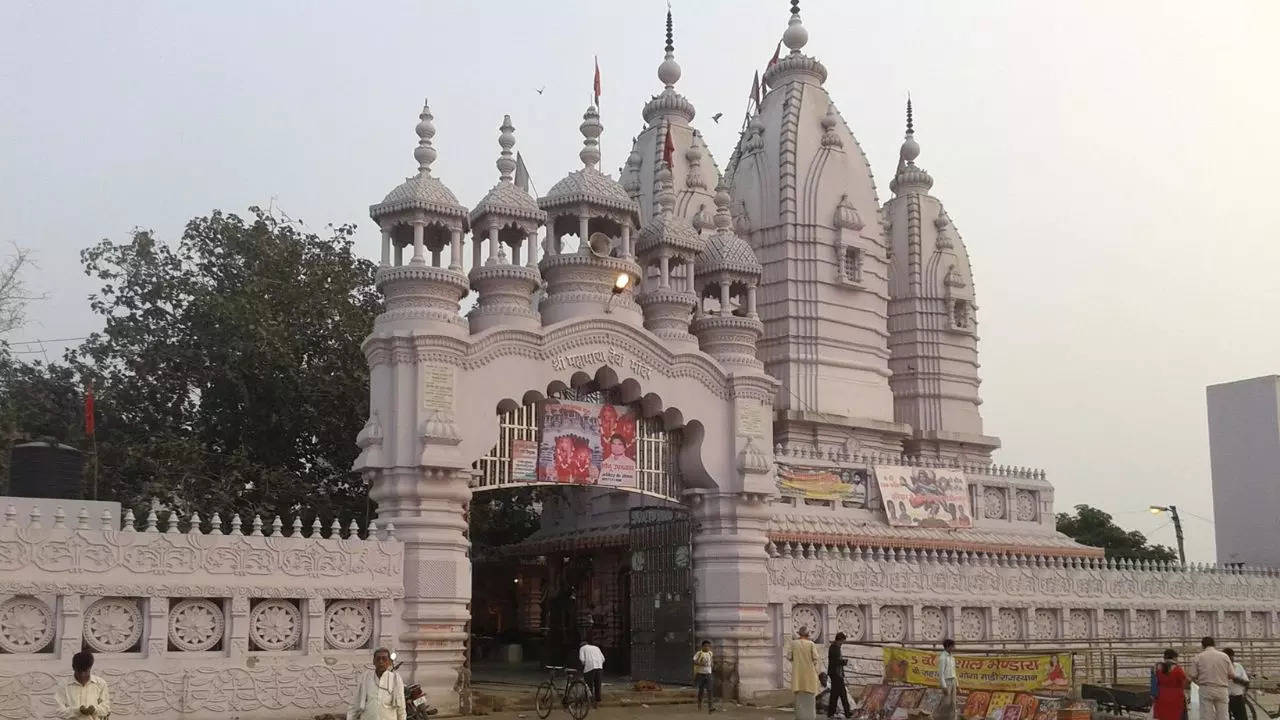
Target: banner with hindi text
<point>1006,673</point>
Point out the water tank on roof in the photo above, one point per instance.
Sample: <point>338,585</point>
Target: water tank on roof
<point>46,469</point>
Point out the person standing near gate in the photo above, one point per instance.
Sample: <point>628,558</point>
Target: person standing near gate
<point>948,680</point>
<point>592,660</point>
<point>1212,671</point>
<point>835,671</point>
<point>379,692</point>
<point>702,675</point>
<point>1239,684</point>
<point>803,655</point>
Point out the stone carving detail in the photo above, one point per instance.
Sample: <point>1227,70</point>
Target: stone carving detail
<point>993,501</point>
<point>195,625</point>
<point>1144,624</point>
<point>1008,624</point>
<point>1231,626</point>
<point>1175,624</point>
<point>972,624</point>
<point>267,691</point>
<point>1112,624</point>
<point>1045,626</point>
<point>851,621</point>
<point>893,624</point>
<point>1079,625</point>
<point>807,616</point>
<point>275,625</point>
<point>26,625</point>
<point>348,624</point>
<point>933,624</point>
<point>113,625</point>
<point>1025,506</point>
<point>1257,625</point>
<point>1201,624</point>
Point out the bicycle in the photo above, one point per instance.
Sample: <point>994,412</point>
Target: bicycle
<point>575,697</point>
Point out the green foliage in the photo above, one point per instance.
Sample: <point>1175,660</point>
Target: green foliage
<point>502,517</point>
<point>228,374</point>
<point>1091,526</point>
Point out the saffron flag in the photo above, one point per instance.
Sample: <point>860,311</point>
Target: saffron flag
<point>522,173</point>
<point>88,410</point>
<point>755,89</point>
<point>596,86</point>
<point>668,147</point>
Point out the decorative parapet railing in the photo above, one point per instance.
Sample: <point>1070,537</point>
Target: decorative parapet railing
<point>797,452</point>
<point>255,623</point>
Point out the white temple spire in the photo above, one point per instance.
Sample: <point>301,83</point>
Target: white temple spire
<point>591,129</point>
<point>796,36</point>
<point>506,140</point>
<point>669,70</point>
<point>425,153</point>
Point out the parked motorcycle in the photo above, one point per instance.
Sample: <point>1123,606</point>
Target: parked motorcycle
<point>415,701</point>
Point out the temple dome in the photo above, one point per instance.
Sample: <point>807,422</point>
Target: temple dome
<point>588,185</point>
<point>422,191</point>
<point>726,252</point>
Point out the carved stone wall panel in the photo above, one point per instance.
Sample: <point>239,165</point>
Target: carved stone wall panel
<point>1201,623</point>
<point>1257,625</point>
<point>1144,624</point>
<point>275,625</point>
<point>893,624</point>
<point>1045,624</point>
<point>113,625</point>
<point>26,625</point>
<point>808,616</point>
<point>933,625</point>
<point>1175,623</point>
<point>994,503</point>
<point>1232,626</point>
<point>1112,624</point>
<point>1079,625</point>
<point>196,625</point>
<point>851,620</point>
<point>348,624</point>
<point>1025,506</point>
<point>1008,624</point>
<point>972,625</point>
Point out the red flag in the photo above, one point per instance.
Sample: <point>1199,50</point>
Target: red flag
<point>668,147</point>
<point>596,86</point>
<point>755,89</point>
<point>776,52</point>
<point>88,410</point>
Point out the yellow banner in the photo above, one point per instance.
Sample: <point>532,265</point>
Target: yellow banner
<point>1009,673</point>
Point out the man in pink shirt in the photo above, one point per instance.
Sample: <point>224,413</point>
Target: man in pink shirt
<point>1212,670</point>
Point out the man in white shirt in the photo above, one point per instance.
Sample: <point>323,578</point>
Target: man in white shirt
<point>380,692</point>
<point>948,681</point>
<point>86,695</point>
<point>1239,684</point>
<point>1212,671</point>
<point>592,665</point>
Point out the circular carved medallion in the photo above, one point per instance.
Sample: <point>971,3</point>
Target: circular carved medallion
<point>972,625</point>
<point>1112,624</point>
<point>1078,625</point>
<point>933,624</point>
<point>806,616</point>
<point>1046,624</point>
<point>1144,624</point>
<point>993,501</point>
<point>850,621</point>
<point>26,625</point>
<point>195,624</point>
<point>348,624</point>
<point>275,625</point>
<point>893,624</point>
<point>112,625</point>
<point>1025,505</point>
<point>1008,624</point>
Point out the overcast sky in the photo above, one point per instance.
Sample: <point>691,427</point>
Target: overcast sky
<point>1111,166</point>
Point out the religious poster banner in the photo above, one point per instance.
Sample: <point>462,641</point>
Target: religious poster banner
<point>821,483</point>
<point>924,497</point>
<point>587,444</point>
<point>1000,673</point>
<point>524,461</point>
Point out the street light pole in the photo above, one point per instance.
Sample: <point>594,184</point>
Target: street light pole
<point>1177,528</point>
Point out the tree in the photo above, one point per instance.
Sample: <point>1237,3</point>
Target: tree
<point>14,295</point>
<point>1091,526</point>
<point>36,400</point>
<point>228,375</point>
<point>502,518</point>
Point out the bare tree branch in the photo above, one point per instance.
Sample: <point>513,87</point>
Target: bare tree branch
<point>14,295</point>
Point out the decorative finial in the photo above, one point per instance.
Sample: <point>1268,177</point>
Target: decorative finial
<point>590,129</point>
<point>723,219</point>
<point>911,130</point>
<point>507,140</point>
<point>669,70</point>
<point>425,154</point>
<point>910,148</point>
<point>795,36</point>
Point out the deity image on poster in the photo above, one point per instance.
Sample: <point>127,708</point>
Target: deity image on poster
<point>587,444</point>
<point>924,497</point>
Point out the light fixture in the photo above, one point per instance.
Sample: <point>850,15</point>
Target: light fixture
<point>1157,509</point>
<point>393,657</point>
<point>621,282</point>
<point>1177,528</point>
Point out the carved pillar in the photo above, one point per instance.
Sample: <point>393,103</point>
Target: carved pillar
<point>582,231</point>
<point>419,230</point>
<point>913,631</point>
<point>751,300</point>
<point>873,622</point>
<point>238,626</point>
<point>399,255</point>
<point>664,271</point>
<point>72,625</point>
<point>157,627</point>
<point>315,625</point>
<point>387,623</point>
<point>493,245</point>
<point>731,575</point>
<point>386,246</point>
<point>724,297</point>
<point>626,241</point>
<point>455,249</point>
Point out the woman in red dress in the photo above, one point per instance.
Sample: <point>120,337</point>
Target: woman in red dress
<point>1170,701</point>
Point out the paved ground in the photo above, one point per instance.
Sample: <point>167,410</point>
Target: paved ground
<point>666,712</point>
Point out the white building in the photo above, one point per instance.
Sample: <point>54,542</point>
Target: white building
<point>1244,452</point>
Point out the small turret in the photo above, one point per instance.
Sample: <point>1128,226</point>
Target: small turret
<point>727,274</point>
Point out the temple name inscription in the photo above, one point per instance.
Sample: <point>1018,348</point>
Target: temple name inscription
<point>607,356</point>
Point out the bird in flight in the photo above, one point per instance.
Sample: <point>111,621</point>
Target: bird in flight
<point>544,87</point>
<point>716,118</point>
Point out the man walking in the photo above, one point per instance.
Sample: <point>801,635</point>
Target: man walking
<point>1212,670</point>
<point>948,681</point>
<point>1239,684</point>
<point>592,660</point>
<point>835,671</point>
<point>86,695</point>
<point>379,693</point>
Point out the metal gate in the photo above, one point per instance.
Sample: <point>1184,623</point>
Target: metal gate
<point>661,595</point>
